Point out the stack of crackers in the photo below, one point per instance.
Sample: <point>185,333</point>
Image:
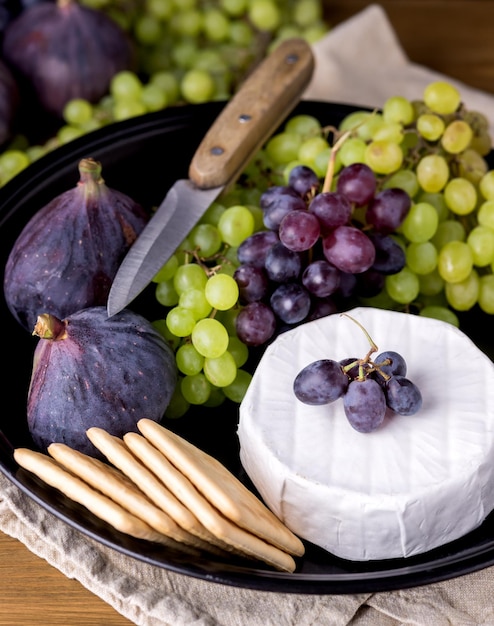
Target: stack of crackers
<point>159,487</point>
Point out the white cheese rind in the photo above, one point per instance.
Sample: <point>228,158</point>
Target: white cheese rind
<point>414,484</point>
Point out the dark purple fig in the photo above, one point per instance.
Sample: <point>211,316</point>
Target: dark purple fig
<point>9,101</point>
<point>68,253</point>
<point>95,370</point>
<point>65,50</point>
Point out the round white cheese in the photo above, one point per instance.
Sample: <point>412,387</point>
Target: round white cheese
<point>415,483</point>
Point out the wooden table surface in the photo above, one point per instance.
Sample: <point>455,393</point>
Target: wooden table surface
<point>455,37</point>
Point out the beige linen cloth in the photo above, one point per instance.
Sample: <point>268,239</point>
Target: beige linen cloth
<point>359,62</point>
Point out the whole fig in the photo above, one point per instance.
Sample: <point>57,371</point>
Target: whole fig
<point>95,370</point>
<point>65,50</point>
<point>68,253</point>
<point>9,101</point>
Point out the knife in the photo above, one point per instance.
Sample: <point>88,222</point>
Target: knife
<point>264,100</point>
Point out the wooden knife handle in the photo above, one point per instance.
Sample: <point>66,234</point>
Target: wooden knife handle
<point>251,116</point>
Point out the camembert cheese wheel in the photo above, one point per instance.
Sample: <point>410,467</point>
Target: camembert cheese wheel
<point>415,483</point>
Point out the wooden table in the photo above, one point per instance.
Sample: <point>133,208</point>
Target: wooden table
<point>451,36</point>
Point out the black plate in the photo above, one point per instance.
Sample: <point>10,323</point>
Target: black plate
<point>143,157</point>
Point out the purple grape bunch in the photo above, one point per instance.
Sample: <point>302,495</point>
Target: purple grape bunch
<point>368,387</point>
<point>320,250</point>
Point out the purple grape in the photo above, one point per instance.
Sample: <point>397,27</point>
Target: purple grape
<point>332,209</point>
<point>365,405</point>
<point>321,278</point>
<point>388,209</point>
<point>290,302</point>
<point>252,283</point>
<point>354,371</point>
<point>254,249</point>
<point>320,382</point>
<point>397,365</point>
<point>282,264</point>
<point>303,180</point>
<point>348,284</point>
<point>320,307</point>
<point>276,202</point>
<point>358,183</point>
<point>369,283</point>
<point>402,395</point>
<point>299,230</point>
<point>349,249</point>
<point>255,324</point>
<point>390,256</point>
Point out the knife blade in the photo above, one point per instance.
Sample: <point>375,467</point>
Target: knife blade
<point>264,100</point>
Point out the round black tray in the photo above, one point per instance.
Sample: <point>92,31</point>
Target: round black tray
<point>143,157</point>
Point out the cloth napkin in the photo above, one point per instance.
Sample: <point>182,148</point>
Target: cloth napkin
<point>359,62</point>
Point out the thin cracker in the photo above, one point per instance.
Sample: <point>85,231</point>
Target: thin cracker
<point>115,450</point>
<point>53,474</point>
<point>239,540</point>
<point>119,488</point>
<point>222,488</point>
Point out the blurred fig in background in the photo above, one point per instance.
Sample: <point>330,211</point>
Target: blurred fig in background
<point>63,50</point>
<point>9,101</point>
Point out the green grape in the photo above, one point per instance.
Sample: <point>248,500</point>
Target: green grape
<point>78,112</point>
<point>304,125</point>
<point>236,224</point>
<point>391,131</point>
<point>455,261</point>
<point>421,257</point>
<point>197,86</point>
<point>403,287</point>
<point>216,25</point>
<point>438,202</point>
<point>153,97</point>
<point>398,109</point>
<point>430,126</point>
<point>162,9</point>
<point>189,276</point>
<point>432,172</point>
<point>168,270</point>
<point>172,340</point>
<point>238,350</point>
<point>352,151</point>
<point>283,147</point>
<point>363,123</point>
<point>420,223</point>
<point>213,214</point>
<point>403,179</point>
<point>168,83</point>
<point>320,164</point>
<point>188,360</point>
<point>237,389</point>
<point>306,12</point>
<point>310,148</point>
<point>206,238</point>
<point>431,284</point>
<point>220,371</point>
<point>126,86</point>
<point>178,405</point>
<point>228,320</point>
<point>68,133</point>
<point>235,8</point>
<point>460,196</point>
<point>180,321</point>
<point>441,97</point>
<point>486,185</point>
<point>481,241</point>
<point>315,32</point>
<point>264,14</point>
<point>383,157</point>
<point>195,389</point>
<point>471,165</point>
<point>216,397</point>
<point>126,109</point>
<point>166,293</point>
<point>485,214</point>
<point>221,292</point>
<point>486,293</point>
<point>12,162</point>
<point>441,313</point>
<point>210,338</point>
<point>448,230</point>
<point>456,137</point>
<point>241,33</point>
<point>147,29</point>
<point>195,301</point>
<point>463,294</point>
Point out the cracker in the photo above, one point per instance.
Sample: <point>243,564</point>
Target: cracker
<point>119,488</point>
<point>52,473</point>
<point>221,488</point>
<point>115,450</point>
<point>237,539</point>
